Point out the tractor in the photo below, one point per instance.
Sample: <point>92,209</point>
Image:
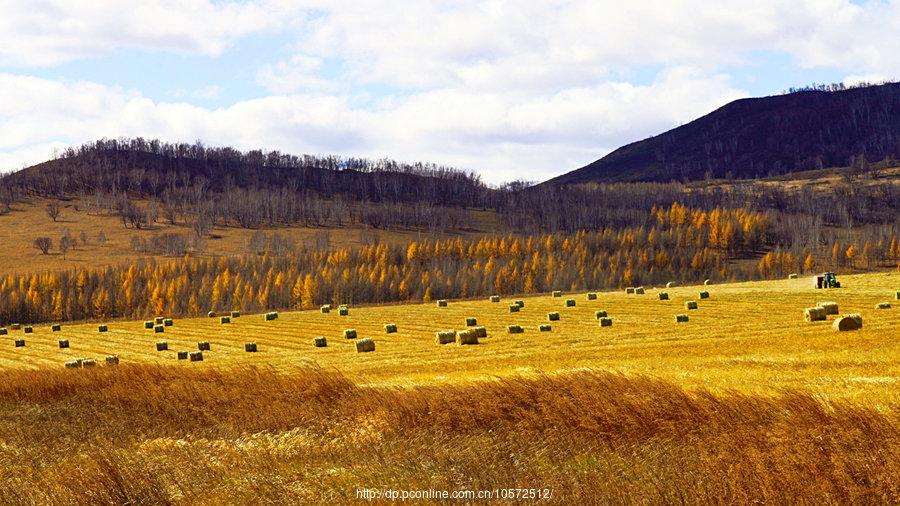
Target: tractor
<point>827,280</point>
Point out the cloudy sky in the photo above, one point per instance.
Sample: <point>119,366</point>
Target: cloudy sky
<point>513,90</point>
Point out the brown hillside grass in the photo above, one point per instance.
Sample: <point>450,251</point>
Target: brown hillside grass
<point>159,435</point>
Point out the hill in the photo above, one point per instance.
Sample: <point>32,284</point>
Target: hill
<point>759,137</point>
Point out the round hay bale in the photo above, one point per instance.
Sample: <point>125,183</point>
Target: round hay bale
<point>325,309</point>
<point>196,356</point>
<point>570,302</point>
<point>88,362</point>
<point>343,311</point>
<point>829,307</point>
<point>707,282</point>
<point>390,328</point>
<point>182,355</point>
<point>112,360</point>
<point>203,345</point>
<point>365,345</point>
<point>670,284</point>
<point>235,314</point>
<point>844,324</point>
<point>442,303</point>
<point>704,295</point>
<point>592,296</point>
<point>159,320</point>
<point>605,322</point>
<point>466,337</point>
<point>55,327</point>
<point>63,343</point>
<point>29,329</point>
<point>480,331</point>
<point>629,290</point>
<point>546,327</point>
<point>681,318</point>
<point>320,342</point>
<point>663,296</point>
<point>514,308</point>
<point>639,290</point>
<point>897,295</point>
<point>471,322</point>
<point>3,331</point>
<point>103,328</point>
<point>857,317</point>
<point>814,314</point>
<point>250,347</point>
<point>883,305</point>
<point>600,314</point>
<point>159,329</point>
<point>553,317</point>
<point>211,314</point>
<point>168,322</point>
<point>444,337</point>
<point>690,305</point>
<point>495,298</point>
<point>557,293</point>
<point>350,334</point>
<point>20,343</point>
<point>793,275</point>
<point>162,346</point>
<point>271,315</point>
<point>148,324</point>
<point>224,320</point>
<point>73,364</point>
<point>515,329</point>
<point>520,303</point>
<point>16,326</point>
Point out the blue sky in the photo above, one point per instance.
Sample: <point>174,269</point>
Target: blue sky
<point>508,89</point>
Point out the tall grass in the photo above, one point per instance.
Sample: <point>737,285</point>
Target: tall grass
<point>148,434</point>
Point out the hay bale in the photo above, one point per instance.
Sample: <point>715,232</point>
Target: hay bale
<point>592,296</point>
<point>466,337</point>
<point>88,362</point>
<point>897,295</point>
<point>814,314</point>
<point>271,315</point>
<point>112,360</point>
<point>883,305</point>
<point>320,342</point>
<point>793,275</point>
<point>557,293</point>
<point>63,343</point>
<point>639,290</point>
<point>553,317</point>
<point>829,307</point>
<point>390,328</point>
<point>444,337</point>
<point>365,345</point>
<point>844,324</point>
<point>344,311</point>
<point>203,345</point>
<point>148,324</point>
<point>605,322</point>
<point>73,364</point>
<point>629,290</point>
<point>495,298</point>
<point>3,331</point>
<point>55,327</point>
<point>196,356</point>
<point>520,303</point>
<point>856,317</point>
<point>16,326</point>
<point>546,327</point>
<point>159,320</point>
<point>480,331</point>
<point>600,314</point>
<point>225,319</point>
<point>235,314</point>
<point>515,329</point>
<point>168,322</point>
<point>570,302</point>
<point>670,284</point>
<point>162,346</point>
<point>514,308</point>
<point>471,321</point>
<point>29,329</point>
<point>103,328</point>
<point>681,318</point>
<point>442,303</point>
<point>707,282</point>
<point>182,355</point>
<point>250,347</point>
<point>325,309</point>
<point>159,329</point>
<point>704,295</point>
<point>663,296</point>
<point>350,334</point>
<point>211,314</point>
<point>20,343</point>
<point>691,304</point>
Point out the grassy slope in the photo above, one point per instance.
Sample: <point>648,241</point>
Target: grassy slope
<point>748,337</point>
<point>28,221</point>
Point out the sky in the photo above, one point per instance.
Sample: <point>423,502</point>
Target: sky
<point>521,90</point>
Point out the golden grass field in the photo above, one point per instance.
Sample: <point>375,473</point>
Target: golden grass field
<point>746,403</point>
<point>28,221</point>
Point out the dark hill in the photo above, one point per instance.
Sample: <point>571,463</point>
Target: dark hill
<point>758,137</point>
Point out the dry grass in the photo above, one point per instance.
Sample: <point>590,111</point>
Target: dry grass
<point>156,434</point>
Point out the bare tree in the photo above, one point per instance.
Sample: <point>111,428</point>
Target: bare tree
<point>53,210</point>
<point>65,243</point>
<point>43,244</point>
